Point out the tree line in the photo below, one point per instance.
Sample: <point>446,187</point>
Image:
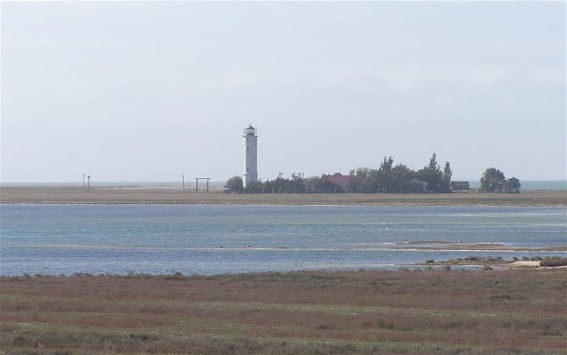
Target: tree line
<point>493,180</point>
<point>387,178</point>
<point>401,179</point>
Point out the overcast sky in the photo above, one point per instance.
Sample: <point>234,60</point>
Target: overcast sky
<point>147,90</point>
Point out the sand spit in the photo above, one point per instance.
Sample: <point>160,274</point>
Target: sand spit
<point>458,246</point>
<point>169,195</point>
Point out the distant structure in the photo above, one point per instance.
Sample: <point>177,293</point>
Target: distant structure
<point>89,179</point>
<point>250,156</point>
<point>341,181</point>
<point>460,186</point>
<point>197,183</point>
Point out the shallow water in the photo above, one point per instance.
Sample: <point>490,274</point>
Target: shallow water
<point>215,239</point>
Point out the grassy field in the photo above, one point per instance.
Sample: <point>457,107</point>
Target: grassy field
<point>140,194</point>
<point>368,312</point>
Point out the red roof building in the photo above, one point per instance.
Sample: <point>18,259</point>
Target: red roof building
<point>339,179</point>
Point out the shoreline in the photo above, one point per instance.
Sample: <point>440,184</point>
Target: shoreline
<point>458,246</point>
<point>169,195</point>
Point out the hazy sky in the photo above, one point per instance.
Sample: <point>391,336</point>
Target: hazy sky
<point>148,90</point>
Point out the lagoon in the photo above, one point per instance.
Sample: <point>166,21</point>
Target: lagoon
<point>218,239</point>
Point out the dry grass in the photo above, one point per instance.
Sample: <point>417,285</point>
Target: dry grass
<point>173,195</point>
<point>514,311</point>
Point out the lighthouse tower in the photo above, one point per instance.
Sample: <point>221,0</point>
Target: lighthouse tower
<point>250,156</point>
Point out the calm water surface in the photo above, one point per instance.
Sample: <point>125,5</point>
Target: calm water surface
<point>213,239</point>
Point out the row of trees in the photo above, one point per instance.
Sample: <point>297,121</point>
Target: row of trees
<point>493,180</point>
<point>387,178</point>
<point>295,184</point>
<point>400,178</point>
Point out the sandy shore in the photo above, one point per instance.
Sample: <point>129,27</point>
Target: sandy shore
<point>172,195</point>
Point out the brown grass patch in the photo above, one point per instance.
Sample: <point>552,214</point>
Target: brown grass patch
<point>513,311</point>
<point>59,194</point>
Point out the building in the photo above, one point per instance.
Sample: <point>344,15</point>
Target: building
<point>250,156</point>
<point>340,180</point>
<point>460,186</point>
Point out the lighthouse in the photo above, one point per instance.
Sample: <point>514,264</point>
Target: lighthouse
<point>250,156</point>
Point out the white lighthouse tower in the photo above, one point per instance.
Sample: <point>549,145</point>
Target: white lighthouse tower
<point>250,156</point>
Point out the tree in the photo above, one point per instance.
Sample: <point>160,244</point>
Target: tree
<point>297,184</point>
<point>416,185</point>
<point>280,184</point>
<point>254,187</point>
<point>446,178</point>
<point>512,185</point>
<point>492,180</point>
<point>319,184</point>
<point>401,177</point>
<point>383,176</point>
<point>432,175</point>
<point>234,184</point>
<point>359,181</point>
<point>433,163</point>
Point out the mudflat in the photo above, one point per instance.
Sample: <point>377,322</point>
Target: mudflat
<point>355,312</point>
<point>173,195</point>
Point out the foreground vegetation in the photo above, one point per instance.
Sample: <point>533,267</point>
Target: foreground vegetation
<point>465,312</point>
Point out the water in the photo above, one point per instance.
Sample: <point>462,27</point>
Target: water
<point>214,239</point>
